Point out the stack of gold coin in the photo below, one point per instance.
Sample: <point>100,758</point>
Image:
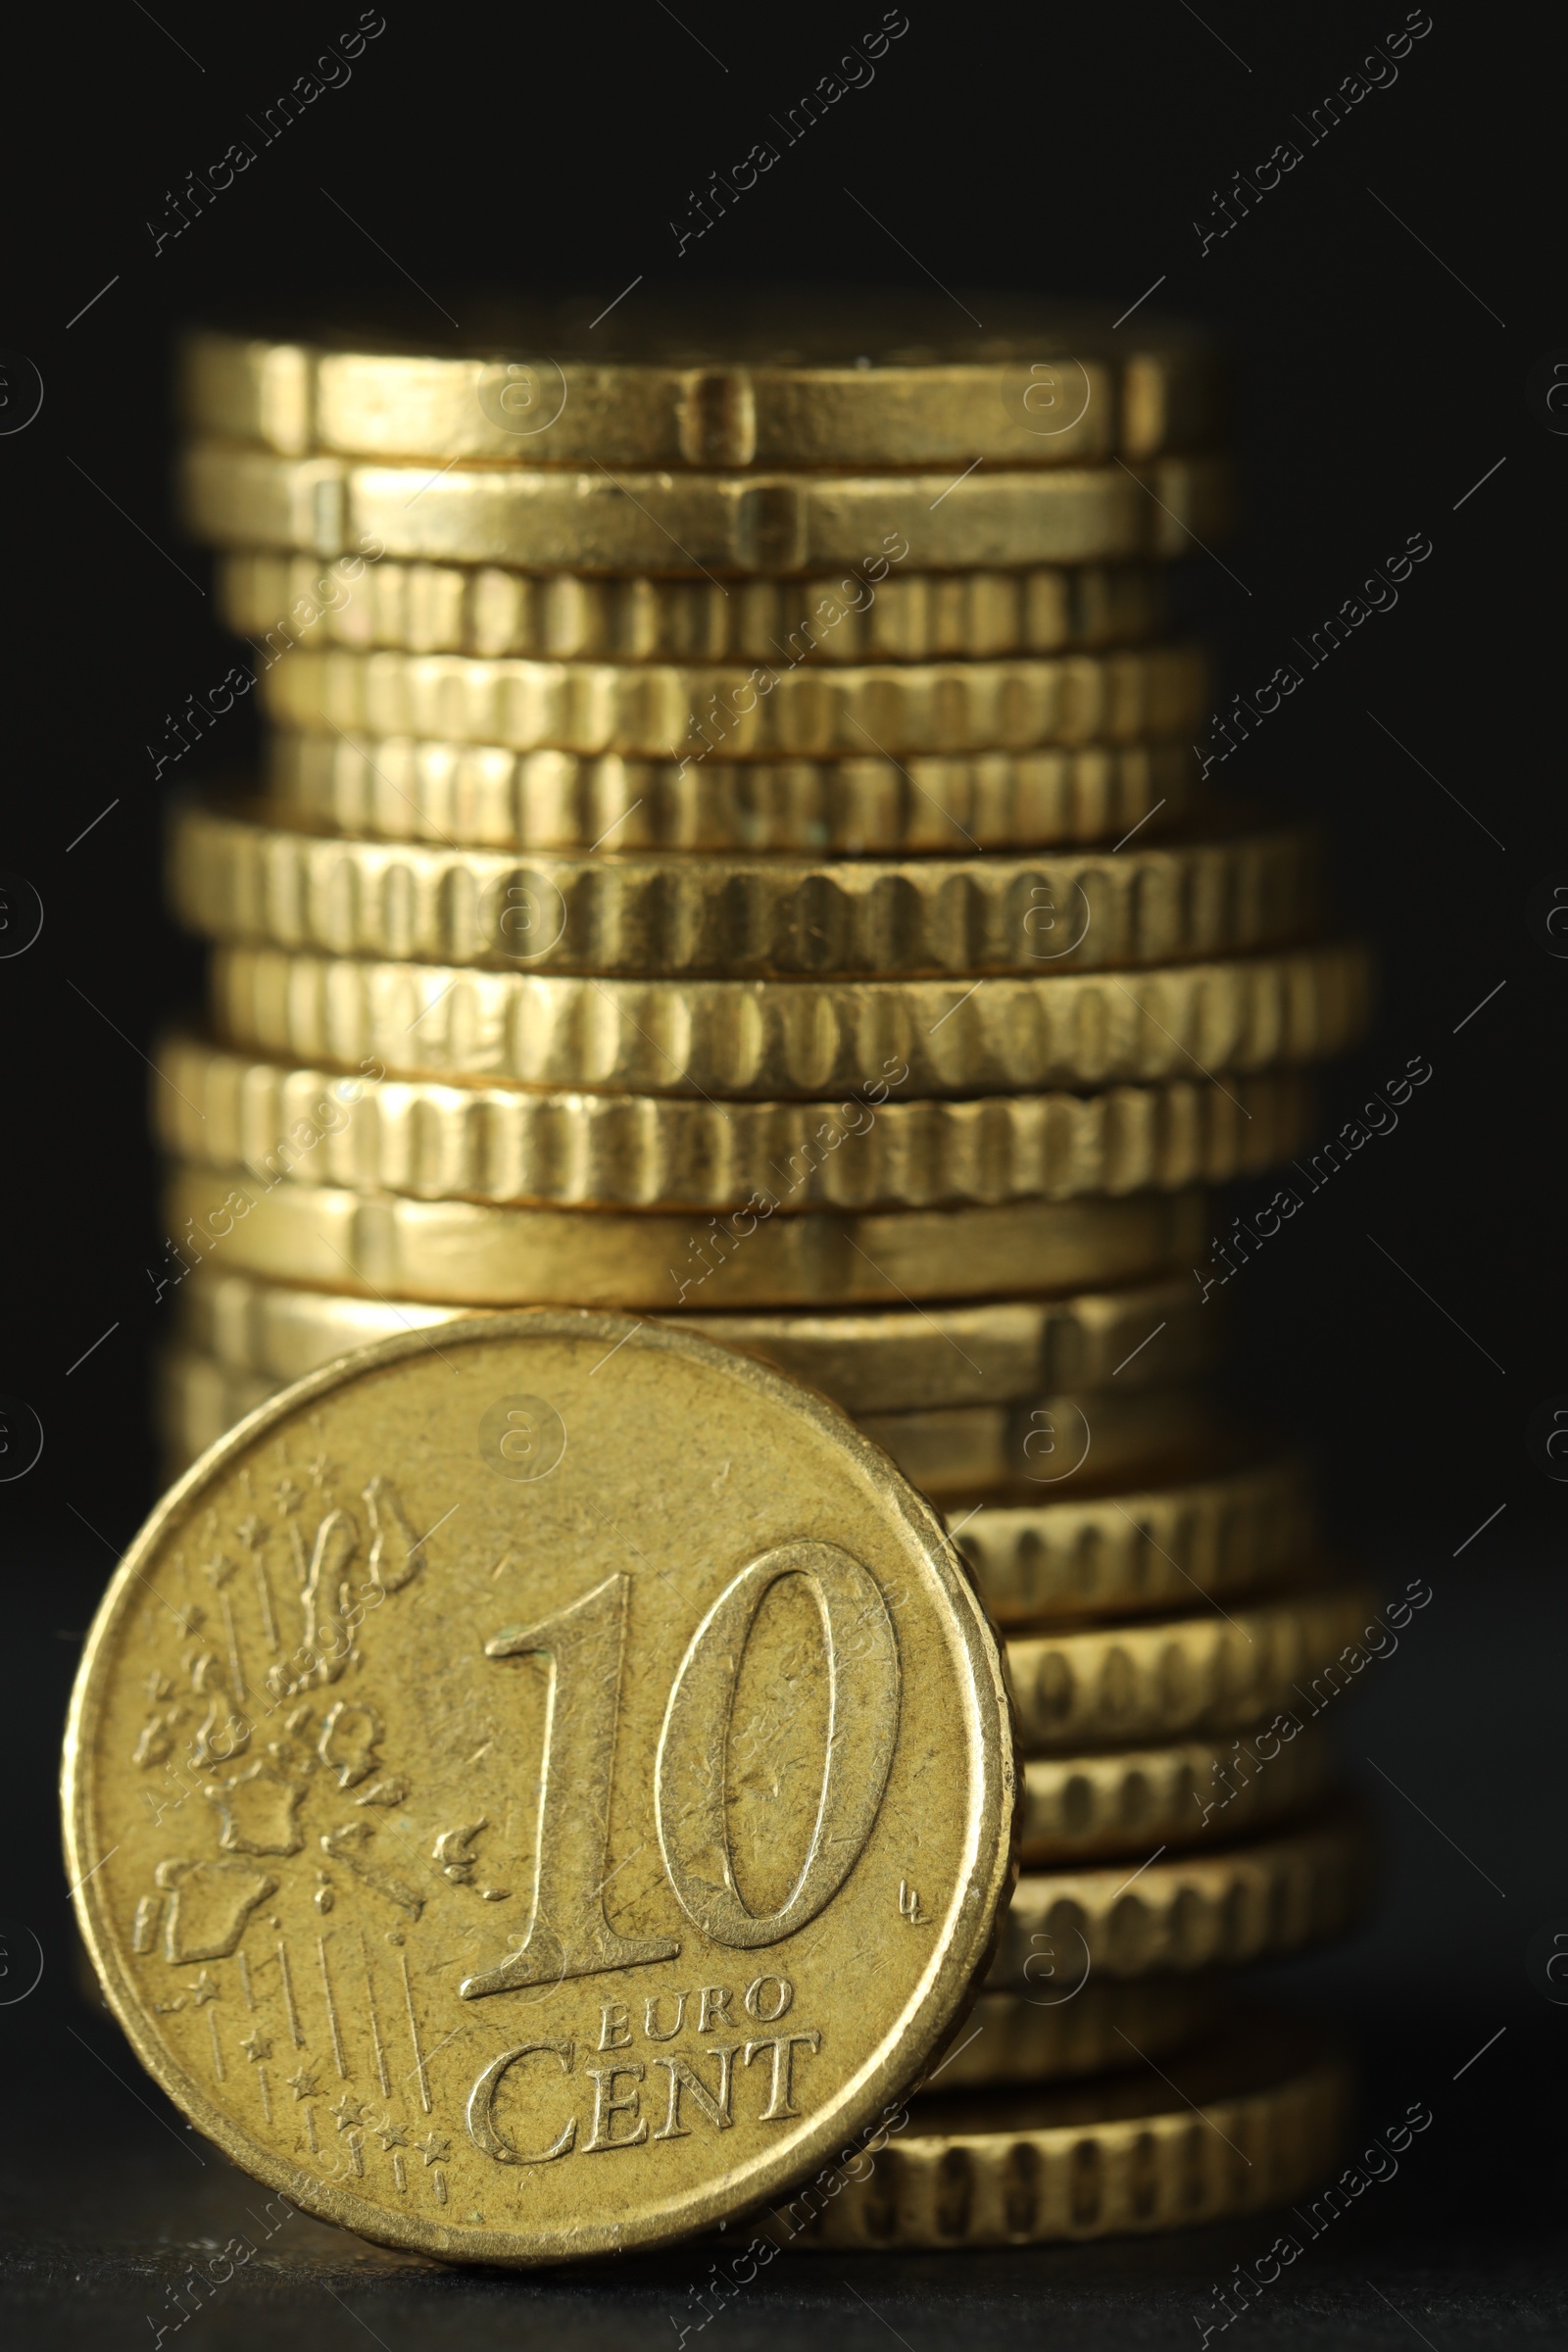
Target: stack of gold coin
<point>729,851</point>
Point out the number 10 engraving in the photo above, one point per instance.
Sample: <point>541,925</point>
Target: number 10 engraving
<point>570,1934</point>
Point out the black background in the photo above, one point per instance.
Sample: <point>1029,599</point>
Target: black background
<point>1384,373</point>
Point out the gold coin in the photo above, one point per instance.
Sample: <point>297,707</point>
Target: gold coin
<point>664,709</point>
<point>499,1142</point>
<point>1209,1672</point>
<point>702,522</point>
<point>235,875</point>
<point>942,1453</point>
<point>1133,1800</point>
<point>1011,2038</point>
<point>880,1360</point>
<point>1251,2120</point>
<point>405,788</point>
<point>895,617</point>
<point>1244,1903</point>
<point>804,1038</point>
<point>466,1252</point>
<point>1128,1556</point>
<point>325,1800</point>
<point>1048,1443</point>
<point>869,380</point>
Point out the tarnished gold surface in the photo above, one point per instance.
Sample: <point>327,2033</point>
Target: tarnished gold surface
<point>889,616</point>
<point>846,378</point>
<point>788,1038</point>
<point>1210,1671</point>
<point>468,1253</point>
<point>767,523</point>
<point>1221,1909</point>
<point>1059,1442</point>
<point>1051,1443</point>
<point>895,1359</point>
<point>1136,1800</point>
<point>676,710</point>
<point>1252,2119</point>
<point>1128,1553</point>
<point>499,1142</point>
<point>1165,1548</point>
<point>235,873</point>
<point>575,1742</point>
<point>1012,2039</point>
<point>408,788</point>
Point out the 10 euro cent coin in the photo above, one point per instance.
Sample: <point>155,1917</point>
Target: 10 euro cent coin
<point>539,1789</point>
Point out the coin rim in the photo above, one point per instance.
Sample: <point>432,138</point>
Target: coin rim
<point>885,2077</point>
<point>196,1332</point>
<point>224,1079</point>
<point>1334,973</point>
<point>212,360</point>
<point>1187,1632</point>
<point>829,697</point>
<point>269,516</point>
<point>1341,1822</point>
<point>240,870</point>
<point>1323,2073</point>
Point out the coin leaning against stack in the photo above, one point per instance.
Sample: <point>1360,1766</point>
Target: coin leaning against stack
<point>728,851</point>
